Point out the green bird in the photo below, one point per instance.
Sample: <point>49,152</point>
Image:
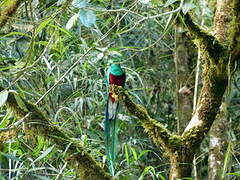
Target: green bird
<point>115,76</point>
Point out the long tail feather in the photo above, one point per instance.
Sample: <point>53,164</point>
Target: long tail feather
<point>111,134</point>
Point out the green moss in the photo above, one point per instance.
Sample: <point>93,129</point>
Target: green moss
<point>156,131</point>
<point>206,41</point>
<point>9,134</point>
<point>7,9</point>
<point>234,47</point>
<point>174,141</point>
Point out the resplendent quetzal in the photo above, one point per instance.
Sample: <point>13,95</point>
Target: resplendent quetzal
<point>115,76</point>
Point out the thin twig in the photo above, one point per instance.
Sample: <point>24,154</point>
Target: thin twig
<point>80,59</point>
<point>154,17</point>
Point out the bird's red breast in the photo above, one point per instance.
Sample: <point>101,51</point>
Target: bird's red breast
<point>116,80</point>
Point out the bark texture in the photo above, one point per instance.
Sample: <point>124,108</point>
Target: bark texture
<point>217,58</point>
<point>181,149</point>
<point>222,18</point>
<point>218,133</point>
<point>217,146</point>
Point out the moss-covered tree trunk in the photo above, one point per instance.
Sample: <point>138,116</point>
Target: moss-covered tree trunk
<point>218,132</point>
<point>219,59</point>
<point>178,169</point>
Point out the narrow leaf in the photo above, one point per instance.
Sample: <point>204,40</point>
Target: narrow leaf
<point>9,156</point>
<point>187,7</point>
<point>3,97</point>
<point>17,33</point>
<point>143,152</point>
<point>234,173</point>
<point>43,25</point>
<point>169,2</point>
<point>146,171</point>
<point>87,17</point>
<point>45,153</point>
<point>126,153</point>
<point>20,102</point>
<point>134,153</point>
<point>144,1</point>
<point>72,21</point>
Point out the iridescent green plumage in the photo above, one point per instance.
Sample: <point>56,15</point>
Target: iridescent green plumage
<point>116,76</point>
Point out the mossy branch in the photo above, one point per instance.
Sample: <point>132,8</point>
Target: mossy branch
<point>235,32</point>
<point>214,85</point>
<point>8,134</point>
<point>159,134</point>
<point>35,123</point>
<point>7,9</point>
<point>207,41</point>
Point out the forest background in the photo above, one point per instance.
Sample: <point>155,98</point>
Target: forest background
<point>54,54</point>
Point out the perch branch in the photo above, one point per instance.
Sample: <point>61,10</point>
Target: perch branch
<point>159,134</point>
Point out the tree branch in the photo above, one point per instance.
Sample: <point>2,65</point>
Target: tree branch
<point>7,9</point>
<point>207,41</point>
<point>159,134</point>
<point>235,32</point>
<point>37,124</point>
<point>214,86</point>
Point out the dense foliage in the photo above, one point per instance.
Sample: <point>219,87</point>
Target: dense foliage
<point>56,56</point>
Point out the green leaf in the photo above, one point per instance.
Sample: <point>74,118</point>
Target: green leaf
<point>42,26</point>
<point>143,152</point>
<point>9,156</point>
<point>3,97</point>
<point>6,68</point>
<point>144,1</point>
<point>234,173</point>
<point>39,146</point>
<point>16,33</point>
<point>87,17</point>
<point>72,21</point>
<point>134,153</point>
<point>187,7</point>
<point>20,102</point>
<point>126,153</point>
<point>161,177</point>
<point>169,2</point>
<point>155,2</point>
<point>4,121</point>
<point>146,170</point>
<point>45,153</point>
